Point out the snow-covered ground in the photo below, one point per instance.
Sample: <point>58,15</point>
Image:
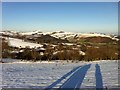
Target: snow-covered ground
<point>34,74</point>
<point>109,73</point>
<point>41,75</point>
<point>21,43</point>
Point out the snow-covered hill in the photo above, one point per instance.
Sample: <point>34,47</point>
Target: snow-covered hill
<point>9,33</point>
<point>58,34</point>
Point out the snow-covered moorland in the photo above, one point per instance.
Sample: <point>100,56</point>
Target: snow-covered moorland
<point>20,43</point>
<point>57,74</point>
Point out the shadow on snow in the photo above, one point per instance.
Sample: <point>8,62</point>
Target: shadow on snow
<point>99,82</point>
<point>74,81</point>
<point>63,77</point>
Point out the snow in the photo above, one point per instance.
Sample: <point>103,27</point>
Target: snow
<point>110,78</point>
<point>43,74</point>
<point>56,52</point>
<point>38,32</point>
<point>30,33</point>
<point>22,44</point>
<point>41,53</point>
<point>84,35</point>
<point>15,51</point>
<point>93,35</point>
<point>69,44</point>
<point>89,79</point>
<point>63,35</point>
<point>33,74</point>
<point>1,77</point>
<point>76,79</point>
<point>58,34</point>
<point>82,53</point>
<point>10,33</point>
<point>114,38</point>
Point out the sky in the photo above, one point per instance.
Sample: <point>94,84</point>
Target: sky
<point>60,16</point>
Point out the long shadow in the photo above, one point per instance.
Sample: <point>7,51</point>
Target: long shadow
<point>99,82</point>
<point>75,81</point>
<point>63,77</point>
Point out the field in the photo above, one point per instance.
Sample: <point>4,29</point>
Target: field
<point>57,74</point>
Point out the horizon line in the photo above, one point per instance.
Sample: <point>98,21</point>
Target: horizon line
<point>63,31</point>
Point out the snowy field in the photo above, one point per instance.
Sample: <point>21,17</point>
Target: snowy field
<point>57,74</point>
<point>21,43</point>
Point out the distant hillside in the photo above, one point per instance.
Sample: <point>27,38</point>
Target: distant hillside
<point>59,46</point>
<point>61,37</point>
<point>98,39</point>
<point>48,39</point>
